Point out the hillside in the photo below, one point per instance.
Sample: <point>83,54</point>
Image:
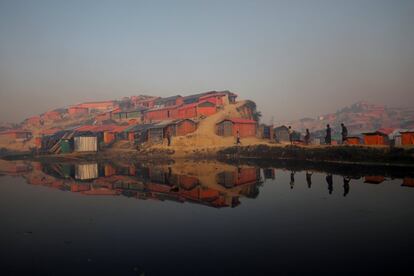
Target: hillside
<point>359,117</point>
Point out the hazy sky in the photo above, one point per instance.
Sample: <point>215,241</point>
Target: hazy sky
<point>294,58</point>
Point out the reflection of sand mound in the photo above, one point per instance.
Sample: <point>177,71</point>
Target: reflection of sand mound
<point>205,135</point>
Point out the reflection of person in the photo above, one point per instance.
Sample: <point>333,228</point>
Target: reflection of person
<point>238,142</point>
<point>292,179</point>
<point>309,179</point>
<point>329,180</point>
<point>346,185</point>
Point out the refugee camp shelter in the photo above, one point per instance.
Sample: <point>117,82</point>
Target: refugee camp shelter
<point>353,140</point>
<point>375,138</point>
<point>78,111</point>
<point>169,101</point>
<point>157,132</point>
<point>159,114</point>
<point>229,127</point>
<point>196,109</point>
<point>134,113</point>
<point>265,131</point>
<point>85,144</point>
<point>282,133</point>
<point>138,134</point>
<point>16,134</point>
<point>407,138</point>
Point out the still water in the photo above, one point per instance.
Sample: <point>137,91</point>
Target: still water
<point>202,218</point>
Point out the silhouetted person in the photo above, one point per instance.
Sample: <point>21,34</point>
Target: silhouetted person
<point>290,131</point>
<point>238,142</point>
<point>309,179</point>
<point>169,138</point>
<point>328,137</point>
<point>307,137</point>
<point>292,179</point>
<point>329,180</point>
<point>346,185</point>
<point>344,133</point>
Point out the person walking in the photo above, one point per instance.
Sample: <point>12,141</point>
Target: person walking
<point>290,131</point>
<point>344,133</point>
<point>307,137</point>
<point>328,137</point>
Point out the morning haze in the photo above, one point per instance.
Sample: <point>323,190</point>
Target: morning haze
<point>293,58</point>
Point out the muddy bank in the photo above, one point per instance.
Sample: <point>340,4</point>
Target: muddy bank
<point>336,154</point>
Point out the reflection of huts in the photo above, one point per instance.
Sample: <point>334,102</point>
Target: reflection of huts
<point>239,176</point>
<point>86,171</point>
<point>374,179</point>
<point>282,133</point>
<point>407,138</point>
<point>408,182</point>
<point>229,127</point>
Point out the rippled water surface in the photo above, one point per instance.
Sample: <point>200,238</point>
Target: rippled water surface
<point>202,218</point>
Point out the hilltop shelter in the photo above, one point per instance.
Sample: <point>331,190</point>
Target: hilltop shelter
<point>375,138</point>
<point>78,111</point>
<point>229,127</point>
<point>407,138</point>
<point>282,133</point>
<point>353,140</point>
<point>159,114</point>
<point>135,113</point>
<point>196,109</point>
<point>169,101</point>
<point>16,134</point>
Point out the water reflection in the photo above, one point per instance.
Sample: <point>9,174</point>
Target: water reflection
<point>212,184</point>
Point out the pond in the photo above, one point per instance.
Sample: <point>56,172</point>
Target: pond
<point>203,218</point>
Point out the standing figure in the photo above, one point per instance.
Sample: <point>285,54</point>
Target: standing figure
<point>290,131</point>
<point>169,138</point>
<point>329,180</point>
<point>307,137</point>
<point>309,179</point>
<point>328,137</point>
<point>344,133</point>
<point>238,142</point>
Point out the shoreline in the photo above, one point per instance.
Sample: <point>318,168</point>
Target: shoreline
<point>333,155</point>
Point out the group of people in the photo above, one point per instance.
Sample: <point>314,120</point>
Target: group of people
<point>328,136</point>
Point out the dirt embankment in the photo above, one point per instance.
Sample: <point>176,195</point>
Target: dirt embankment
<point>329,154</point>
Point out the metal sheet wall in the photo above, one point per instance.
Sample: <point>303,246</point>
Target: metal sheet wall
<point>84,143</point>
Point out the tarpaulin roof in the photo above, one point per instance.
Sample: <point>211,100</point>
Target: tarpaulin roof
<point>239,121</point>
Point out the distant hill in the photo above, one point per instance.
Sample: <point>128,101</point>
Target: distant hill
<point>359,117</point>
